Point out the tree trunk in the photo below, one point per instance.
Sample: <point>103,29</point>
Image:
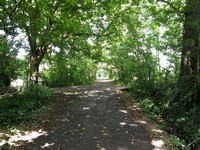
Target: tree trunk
<point>36,55</point>
<point>189,73</point>
<point>34,71</point>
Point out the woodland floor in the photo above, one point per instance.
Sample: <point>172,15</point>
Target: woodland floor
<point>96,117</point>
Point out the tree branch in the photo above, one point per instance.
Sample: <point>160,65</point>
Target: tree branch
<point>13,10</point>
<point>176,10</point>
<point>2,6</point>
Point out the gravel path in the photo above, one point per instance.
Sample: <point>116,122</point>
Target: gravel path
<point>93,118</point>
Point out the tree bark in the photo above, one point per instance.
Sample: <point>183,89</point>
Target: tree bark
<point>189,71</point>
<point>34,70</point>
<point>36,55</point>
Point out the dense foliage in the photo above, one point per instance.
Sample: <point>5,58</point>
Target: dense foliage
<point>151,54</point>
<point>150,45</point>
<point>8,62</point>
<point>69,71</point>
<point>19,108</point>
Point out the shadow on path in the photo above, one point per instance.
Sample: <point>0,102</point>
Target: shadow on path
<point>95,119</point>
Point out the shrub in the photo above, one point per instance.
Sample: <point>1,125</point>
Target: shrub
<point>36,91</point>
<point>19,108</point>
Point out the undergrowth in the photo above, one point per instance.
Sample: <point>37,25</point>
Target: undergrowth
<point>19,108</point>
<point>182,123</point>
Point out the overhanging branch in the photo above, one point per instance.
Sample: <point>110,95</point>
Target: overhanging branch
<point>176,10</point>
<point>10,14</point>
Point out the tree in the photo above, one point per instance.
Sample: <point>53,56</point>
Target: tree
<point>8,61</point>
<point>190,58</point>
<point>47,24</point>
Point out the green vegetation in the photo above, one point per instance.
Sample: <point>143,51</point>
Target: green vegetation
<point>65,71</point>
<point>8,61</point>
<point>154,53</point>
<point>150,45</point>
<point>19,109</point>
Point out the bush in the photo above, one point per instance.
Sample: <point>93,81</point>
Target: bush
<point>36,91</point>
<point>180,121</point>
<point>19,108</point>
<point>185,124</point>
<point>76,72</point>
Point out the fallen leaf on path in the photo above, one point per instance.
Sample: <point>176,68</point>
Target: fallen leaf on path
<point>83,129</point>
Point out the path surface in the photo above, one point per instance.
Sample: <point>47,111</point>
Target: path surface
<point>94,119</point>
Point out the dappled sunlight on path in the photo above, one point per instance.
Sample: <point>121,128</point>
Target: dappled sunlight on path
<point>94,118</point>
<point>18,136</point>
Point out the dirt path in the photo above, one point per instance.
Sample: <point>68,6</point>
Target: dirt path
<point>95,118</point>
